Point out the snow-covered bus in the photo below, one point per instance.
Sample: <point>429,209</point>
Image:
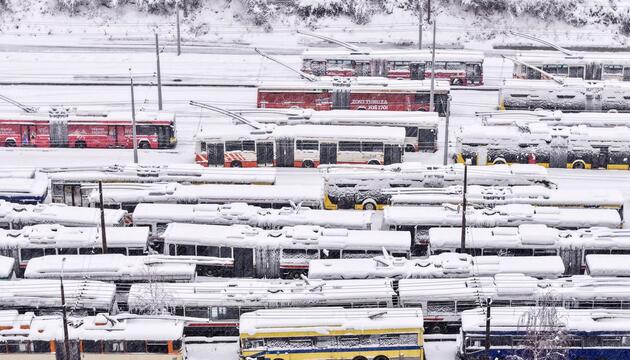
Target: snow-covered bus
<point>577,147</point>
<point>304,146</point>
<point>419,219</point>
<point>420,128</point>
<point>605,263</point>
<point>370,188</point>
<point>329,333</point>
<point>534,240</point>
<point>72,185</point>
<point>554,118</point>
<point>277,253</point>
<point>103,336</point>
<point>44,296</point>
<point>460,67</point>
<point>25,187</point>
<point>16,216</point>
<point>588,334</point>
<point>158,216</point>
<point>49,239</point>
<point>127,196</point>
<point>587,66</point>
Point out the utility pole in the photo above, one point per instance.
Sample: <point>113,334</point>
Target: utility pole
<point>134,137</point>
<point>64,315</point>
<point>103,234</point>
<point>462,245</point>
<point>448,118</point>
<point>419,24</point>
<point>159,74</point>
<point>428,11</point>
<point>432,100</point>
<point>488,308</point>
<point>179,39</point>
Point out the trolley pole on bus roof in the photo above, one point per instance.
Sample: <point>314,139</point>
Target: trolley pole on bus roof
<point>432,94</point>
<point>159,74</point>
<point>488,308</point>
<point>447,120</point>
<point>419,24</point>
<point>134,137</point>
<point>103,234</point>
<point>64,315</point>
<point>462,245</point>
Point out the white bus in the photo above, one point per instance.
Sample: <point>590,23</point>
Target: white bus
<point>277,253</point>
<point>419,219</point>
<point>421,128</point>
<point>16,216</point>
<point>158,216</point>
<point>68,184</point>
<point>299,146</point>
<point>587,66</point>
<point>604,263</point>
<point>127,196</point>
<point>369,188</point>
<point>554,118</point>
<point>537,240</point>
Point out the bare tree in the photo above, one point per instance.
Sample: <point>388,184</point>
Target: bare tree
<point>545,336</point>
<point>153,299</point>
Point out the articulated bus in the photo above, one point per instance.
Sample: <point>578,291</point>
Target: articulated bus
<point>87,130</point>
<point>421,129</point>
<point>332,333</point>
<point>459,67</point>
<point>587,66</point>
<point>99,337</point>
<point>578,147</point>
<point>371,187</point>
<point>554,118</point>
<point>355,94</point>
<point>304,146</point>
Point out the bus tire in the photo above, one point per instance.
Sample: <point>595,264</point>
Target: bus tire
<point>381,357</point>
<point>578,164</point>
<point>359,358</point>
<point>308,164</point>
<point>456,81</point>
<point>409,148</point>
<point>374,162</point>
<point>144,145</point>
<point>369,204</point>
<point>10,143</point>
<point>499,161</point>
<point>80,144</point>
<point>236,164</point>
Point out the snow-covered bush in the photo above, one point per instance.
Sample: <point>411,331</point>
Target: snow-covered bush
<point>260,12</point>
<point>359,10</point>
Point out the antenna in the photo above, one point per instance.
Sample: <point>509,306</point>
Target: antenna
<point>24,108</point>
<point>302,74</point>
<point>544,42</point>
<point>552,77</point>
<point>254,124</point>
<point>334,41</point>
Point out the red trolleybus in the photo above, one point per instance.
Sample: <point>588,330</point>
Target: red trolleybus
<point>87,130</point>
<point>355,94</point>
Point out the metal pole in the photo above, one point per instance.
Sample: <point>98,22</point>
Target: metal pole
<point>431,100</point>
<point>448,118</point>
<point>134,137</point>
<point>429,11</point>
<point>159,74</point>
<point>179,41</point>
<point>64,315</point>
<point>103,233</point>
<point>488,308</point>
<point>462,245</point>
<point>419,24</point>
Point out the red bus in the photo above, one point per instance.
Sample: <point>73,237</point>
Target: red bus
<point>355,94</point>
<point>87,130</point>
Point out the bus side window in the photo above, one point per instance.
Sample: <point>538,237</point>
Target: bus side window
<point>249,145</point>
<point>157,347</point>
<point>422,98</point>
<point>349,146</point>
<point>233,146</point>
<point>27,254</point>
<point>411,131</point>
<point>185,250</point>
<point>330,254</point>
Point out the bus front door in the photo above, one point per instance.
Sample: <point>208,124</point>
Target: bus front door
<point>601,161</point>
<point>341,98</point>
<point>392,154</point>
<point>285,153</point>
<point>416,71</point>
<point>427,139</point>
<point>328,153</point>
<point>264,153</point>
<point>216,154</point>
<point>244,262</point>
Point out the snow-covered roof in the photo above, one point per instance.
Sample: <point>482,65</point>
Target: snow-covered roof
<point>113,194</point>
<point>57,214</point>
<point>242,213</point>
<point>45,293</point>
<point>181,173</point>
<point>57,236</point>
<point>556,118</point>
<point>7,265</point>
<point>511,319</point>
<point>33,189</point>
<point>250,293</point>
<point>501,215</point>
<point>437,266</point>
<point>290,237</point>
<point>14,326</point>
<point>607,265</point>
<point>109,267</point>
<point>394,55</point>
<point>531,236</point>
<point>328,320</point>
<point>355,85</point>
<point>490,196</point>
<point>157,118</point>
<point>581,58</point>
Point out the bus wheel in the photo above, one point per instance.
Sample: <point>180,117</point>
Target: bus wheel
<point>144,145</point>
<point>456,82</point>
<point>374,162</point>
<point>9,143</point>
<point>308,164</point>
<point>409,148</point>
<point>236,163</point>
<point>578,164</point>
<point>499,161</point>
<point>369,204</point>
<point>359,358</point>
<point>381,357</point>
<point>80,144</point>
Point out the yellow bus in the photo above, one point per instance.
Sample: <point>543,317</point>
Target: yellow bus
<point>332,333</point>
